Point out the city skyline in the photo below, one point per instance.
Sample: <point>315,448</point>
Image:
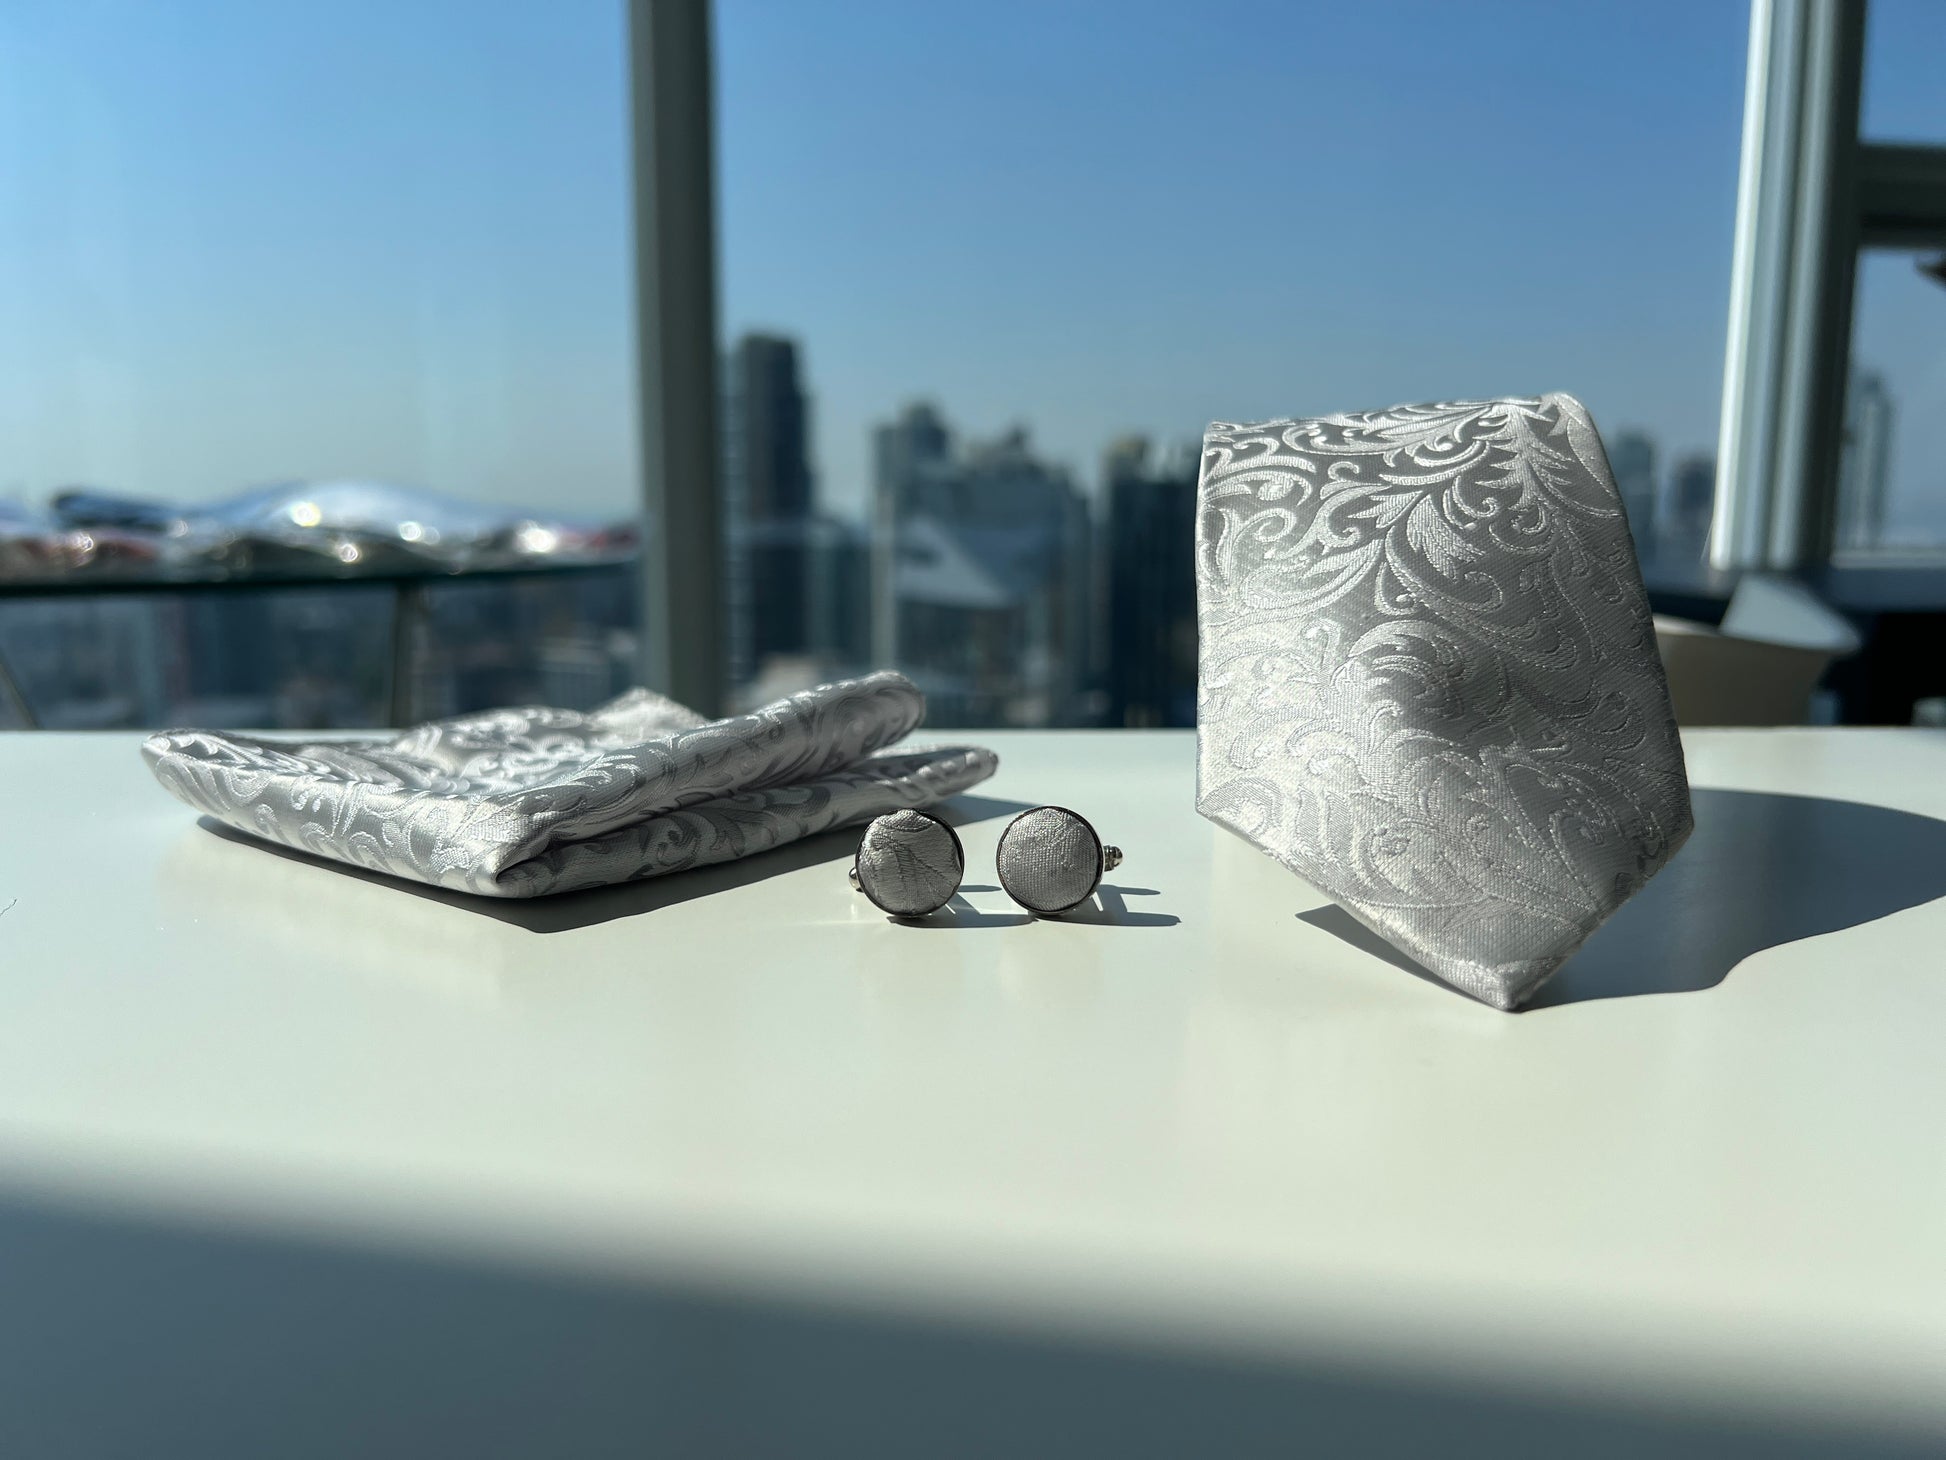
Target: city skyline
<point>985,574</point>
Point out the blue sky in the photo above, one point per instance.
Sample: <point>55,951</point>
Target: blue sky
<point>240,242</point>
<point>1096,217</point>
<point>246,241</point>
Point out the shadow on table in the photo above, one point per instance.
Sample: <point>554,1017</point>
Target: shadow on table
<point>565,911</point>
<point>1760,870</point>
<point>1347,929</point>
<point>1107,908</point>
<point>965,810</point>
<point>959,913</point>
<point>125,1335</point>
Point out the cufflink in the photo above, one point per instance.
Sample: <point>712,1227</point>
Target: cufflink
<point>909,864</point>
<point>1050,860</point>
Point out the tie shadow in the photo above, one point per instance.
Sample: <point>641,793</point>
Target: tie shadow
<point>1345,928</point>
<point>1761,869</point>
<point>566,911</point>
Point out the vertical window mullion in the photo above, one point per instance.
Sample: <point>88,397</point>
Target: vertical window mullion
<point>1790,315</point>
<point>675,251</point>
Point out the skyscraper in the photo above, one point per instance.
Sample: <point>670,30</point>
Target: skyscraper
<point>1865,467</point>
<point>1149,603</point>
<point>768,421</point>
<point>1692,502</point>
<point>769,505</point>
<point>981,588</point>
<point>908,454</point>
<point>1632,457</point>
<point>841,596</point>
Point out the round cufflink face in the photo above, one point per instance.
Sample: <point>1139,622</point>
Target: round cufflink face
<point>909,863</point>
<point>1050,860</point>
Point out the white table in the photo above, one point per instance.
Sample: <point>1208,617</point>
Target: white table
<point>295,1161</point>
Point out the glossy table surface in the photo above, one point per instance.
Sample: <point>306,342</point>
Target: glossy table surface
<point>1205,1159</point>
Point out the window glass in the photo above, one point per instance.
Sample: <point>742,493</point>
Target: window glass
<point>548,639</point>
<point>1903,98</point>
<point>1891,490</point>
<point>290,658</point>
<point>354,275</point>
<point>989,269</point>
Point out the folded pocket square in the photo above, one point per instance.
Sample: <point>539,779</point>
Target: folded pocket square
<point>517,803</point>
<point>1428,680</point>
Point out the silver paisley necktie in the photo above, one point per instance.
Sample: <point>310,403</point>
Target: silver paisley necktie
<point>1428,681</point>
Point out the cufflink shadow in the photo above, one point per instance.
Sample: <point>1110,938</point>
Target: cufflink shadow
<point>1762,869</point>
<point>1110,908</point>
<point>1107,909</point>
<point>959,913</point>
<point>563,912</point>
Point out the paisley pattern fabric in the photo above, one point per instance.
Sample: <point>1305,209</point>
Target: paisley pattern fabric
<point>1049,859</point>
<point>1428,679</point>
<point>517,803</point>
<point>909,864</point>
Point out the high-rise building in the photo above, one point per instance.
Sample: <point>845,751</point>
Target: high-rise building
<point>981,583</point>
<point>907,453</point>
<point>841,595</point>
<point>769,505</point>
<point>1865,467</point>
<point>768,421</point>
<point>1692,502</point>
<point>1632,458</point>
<point>1149,600</point>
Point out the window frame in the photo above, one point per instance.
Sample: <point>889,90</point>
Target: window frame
<point>1812,196</point>
<point>671,85</point>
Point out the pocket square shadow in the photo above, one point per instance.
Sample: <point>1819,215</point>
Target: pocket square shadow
<point>1762,869</point>
<point>967,808</point>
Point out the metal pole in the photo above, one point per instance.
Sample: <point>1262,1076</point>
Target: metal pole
<point>1759,280</point>
<point>1824,260</point>
<point>675,272</point>
<point>1784,363</point>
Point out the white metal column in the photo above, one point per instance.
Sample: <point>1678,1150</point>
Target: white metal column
<point>1790,286</point>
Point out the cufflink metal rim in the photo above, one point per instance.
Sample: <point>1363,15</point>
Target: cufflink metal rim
<point>1107,860</point>
<point>862,883</point>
